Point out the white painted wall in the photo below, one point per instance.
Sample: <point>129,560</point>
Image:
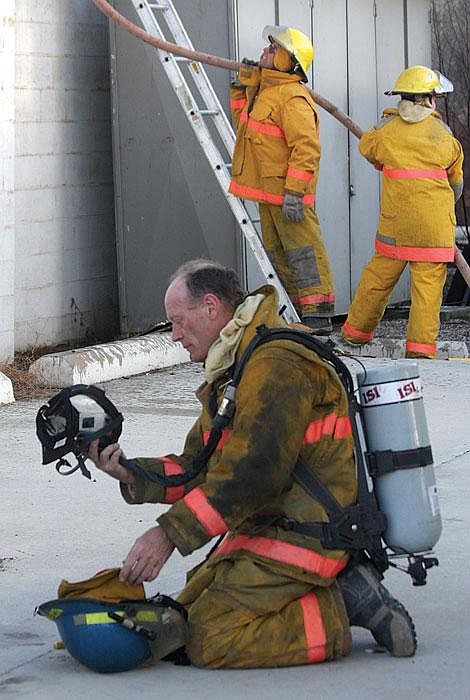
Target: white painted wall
<point>65,269</point>
<point>7,170</point>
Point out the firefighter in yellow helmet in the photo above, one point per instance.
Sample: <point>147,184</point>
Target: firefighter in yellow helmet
<point>276,163</point>
<point>267,594</point>
<point>422,178</point>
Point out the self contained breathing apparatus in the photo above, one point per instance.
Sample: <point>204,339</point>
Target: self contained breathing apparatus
<point>396,513</point>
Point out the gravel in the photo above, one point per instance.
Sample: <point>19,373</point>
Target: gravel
<point>455,324</point>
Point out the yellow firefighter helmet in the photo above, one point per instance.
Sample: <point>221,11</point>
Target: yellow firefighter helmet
<point>420,80</point>
<point>295,42</point>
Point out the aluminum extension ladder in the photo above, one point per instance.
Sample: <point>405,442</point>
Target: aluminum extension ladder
<point>209,107</point>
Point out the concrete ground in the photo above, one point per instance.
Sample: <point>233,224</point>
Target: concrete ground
<point>56,527</point>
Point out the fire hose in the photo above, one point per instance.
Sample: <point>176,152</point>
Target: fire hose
<point>228,64</point>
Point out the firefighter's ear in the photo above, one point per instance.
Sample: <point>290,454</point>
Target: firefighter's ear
<point>211,304</point>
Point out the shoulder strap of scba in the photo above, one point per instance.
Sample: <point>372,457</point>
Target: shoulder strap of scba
<point>356,528</point>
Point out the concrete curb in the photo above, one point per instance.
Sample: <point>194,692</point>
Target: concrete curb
<point>127,358</point>
<point>394,349</point>
<point>6,390</point>
<point>101,363</point>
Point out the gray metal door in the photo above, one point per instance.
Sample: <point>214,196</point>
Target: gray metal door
<point>169,207</point>
<point>330,79</point>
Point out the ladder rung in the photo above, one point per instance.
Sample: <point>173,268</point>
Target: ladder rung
<point>156,6</point>
<point>206,112</point>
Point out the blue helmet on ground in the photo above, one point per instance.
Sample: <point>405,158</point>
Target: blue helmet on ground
<point>115,637</point>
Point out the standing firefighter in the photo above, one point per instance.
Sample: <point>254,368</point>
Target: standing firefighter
<point>421,165</point>
<point>267,595</point>
<point>276,162</point>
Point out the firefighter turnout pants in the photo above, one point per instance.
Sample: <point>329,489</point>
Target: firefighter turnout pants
<point>375,286</point>
<point>299,256</point>
<point>242,614</point>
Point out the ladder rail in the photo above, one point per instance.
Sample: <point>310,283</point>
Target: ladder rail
<point>146,12</point>
<point>196,118</point>
<point>199,76</point>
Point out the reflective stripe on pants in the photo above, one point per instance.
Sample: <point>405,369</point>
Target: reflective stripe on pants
<point>243,614</point>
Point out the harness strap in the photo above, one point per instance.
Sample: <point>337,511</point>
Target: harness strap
<point>386,461</point>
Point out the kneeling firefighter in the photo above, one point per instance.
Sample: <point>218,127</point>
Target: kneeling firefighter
<point>269,467</point>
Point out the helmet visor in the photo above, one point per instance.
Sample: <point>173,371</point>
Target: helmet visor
<point>445,85</point>
<point>278,34</point>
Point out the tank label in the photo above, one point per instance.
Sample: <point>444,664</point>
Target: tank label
<point>434,500</point>
<point>391,392</point>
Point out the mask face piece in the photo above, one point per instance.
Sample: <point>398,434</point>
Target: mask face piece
<point>72,419</point>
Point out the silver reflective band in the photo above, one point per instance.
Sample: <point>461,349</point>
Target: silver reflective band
<point>391,392</point>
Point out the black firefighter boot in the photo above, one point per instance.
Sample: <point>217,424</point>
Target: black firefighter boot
<point>370,605</point>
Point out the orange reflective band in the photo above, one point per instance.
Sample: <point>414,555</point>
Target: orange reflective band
<point>262,196</point>
<point>338,427</point>
<point>299,174</point>
<point>285,553</point>
<point>207,515</point>
<point>317,299</point>
<point>413,253</point>
<point>238,104</point>
<point>170,468</point>
<point>318,428</point>
<point>223,438</point>
<point>261,128</point>
<point>343,428</point>
<point>356,333</point>
<point>315,634</point>
<point>413,173</point>
<point>294,298</point>
<point>423,348</point>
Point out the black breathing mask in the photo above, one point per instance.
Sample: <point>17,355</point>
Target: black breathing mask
<point>71,420</point>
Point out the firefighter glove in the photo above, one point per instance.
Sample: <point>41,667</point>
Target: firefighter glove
<point>293,209</point>
<point>457,189</point>
<point>249,64</point>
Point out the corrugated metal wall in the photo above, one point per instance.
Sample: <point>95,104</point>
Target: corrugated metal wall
<point>169,205</point>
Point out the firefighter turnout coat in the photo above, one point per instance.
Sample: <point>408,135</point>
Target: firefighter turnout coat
<point>277,146</point>
<point>419,163</point>
<point>266,596</point>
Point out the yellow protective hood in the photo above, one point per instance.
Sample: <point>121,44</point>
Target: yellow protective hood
<point>104,586</point>
<point>283,60</point>
<point>414,112</point>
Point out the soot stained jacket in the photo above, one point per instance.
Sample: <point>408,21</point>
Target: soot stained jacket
<point>288,402</point>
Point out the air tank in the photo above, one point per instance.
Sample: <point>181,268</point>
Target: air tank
<point>395,427</point>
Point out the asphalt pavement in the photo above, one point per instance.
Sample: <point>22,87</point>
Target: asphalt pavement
<point>56,527</point>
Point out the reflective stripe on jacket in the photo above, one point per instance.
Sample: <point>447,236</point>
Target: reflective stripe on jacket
<point>419,163</point>
<point>277,146</point>
<point>288,402</point>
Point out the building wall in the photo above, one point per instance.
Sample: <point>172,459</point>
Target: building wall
<point>65,268</point>
<point>7,165</point>
<point>360,47</point>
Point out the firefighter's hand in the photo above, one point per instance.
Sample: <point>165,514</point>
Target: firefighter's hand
<point>147,556</point>
<point>293,209</point>
<point>108,461</point>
